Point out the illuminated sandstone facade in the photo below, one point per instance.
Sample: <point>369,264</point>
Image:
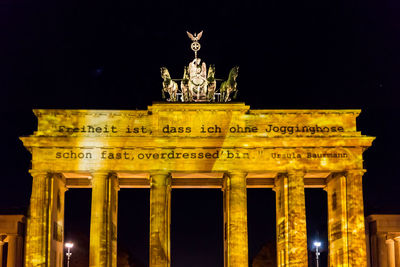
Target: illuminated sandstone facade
<point>226,146</point>
<point>383,240</point>
<point>11,233</point>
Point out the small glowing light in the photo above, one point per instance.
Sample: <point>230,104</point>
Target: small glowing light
<point>317,244</point>
<point>69,245</point>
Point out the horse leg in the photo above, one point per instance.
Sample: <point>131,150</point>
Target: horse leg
<point>235,94</point>
<point>228,92</point>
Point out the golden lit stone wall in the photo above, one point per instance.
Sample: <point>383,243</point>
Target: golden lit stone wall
<point>101,148</point>
<point>12,233</point>
<point>201,137</point>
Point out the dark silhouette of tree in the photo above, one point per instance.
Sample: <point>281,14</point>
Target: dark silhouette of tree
<point>266,257</point>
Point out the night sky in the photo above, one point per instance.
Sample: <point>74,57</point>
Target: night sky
<point>90,54</point>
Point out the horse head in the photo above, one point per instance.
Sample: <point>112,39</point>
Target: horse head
<point>211,71</point>
<point>185,73</point>
<point>234,72</point>
<point>164,73</point>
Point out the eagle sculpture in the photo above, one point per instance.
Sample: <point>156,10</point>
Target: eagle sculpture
<point>196,37</point>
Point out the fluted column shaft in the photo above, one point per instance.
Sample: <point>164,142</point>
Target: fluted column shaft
<point>381,251</point>
<point>1,252</point>
<point>291,219</point>
<point>356,225</point>
<point>12,251</point>
<point>397,250</point>
<point>103,220</point>
<point>38,221</point>
<point>55,251</point>
<point>45,222</point>
<point>346,226</point>
<point>235,220</point>
<point>390,253</point>
<point>160,201</point>
<point>337,220</point>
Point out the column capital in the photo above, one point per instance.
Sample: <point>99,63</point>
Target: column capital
<point>397,239</point>
<point>34,172</point>
<point>163,178</point>
<point>235,173</point>
<point>100,173</point>
<point>274,188</point>
<point>334,175</point>
<point>55,175</point>
<point>160,173</point>
<point>279,176</point>
<point>355,171</point>
<point>12,235</point>
<point>59,176</point>
<point>114,175</point>
<point>230,176</point>
<point>296,172</point>
<point>389,241</point>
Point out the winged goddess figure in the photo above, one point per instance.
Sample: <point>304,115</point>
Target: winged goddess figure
<point>195,46</point>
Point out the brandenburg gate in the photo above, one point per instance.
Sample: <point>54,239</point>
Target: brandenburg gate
<point>198,145</point>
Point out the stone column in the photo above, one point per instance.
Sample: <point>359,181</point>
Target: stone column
<point>346,227</point>
<point>20,251</point>
<point>337,220</point>
<point>390,253</point>
<point>381,250</point>
<point>355,217</point>
<point>103,220</point>
<point>38,221</point>
<point>57,190</point>
<point>160,218</point>
<point>235,220</point>
<point>1,251</point>
<point>12,251</point>
<point>397,250</point>
<point>291,227</point>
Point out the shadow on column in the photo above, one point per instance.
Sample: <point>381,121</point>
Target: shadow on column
<point>5,252</point>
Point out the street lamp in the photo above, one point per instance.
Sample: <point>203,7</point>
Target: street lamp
<point>68,246</point>
<point>317,244</point>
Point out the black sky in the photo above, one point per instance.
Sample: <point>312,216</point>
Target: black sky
<point>292,54</point>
